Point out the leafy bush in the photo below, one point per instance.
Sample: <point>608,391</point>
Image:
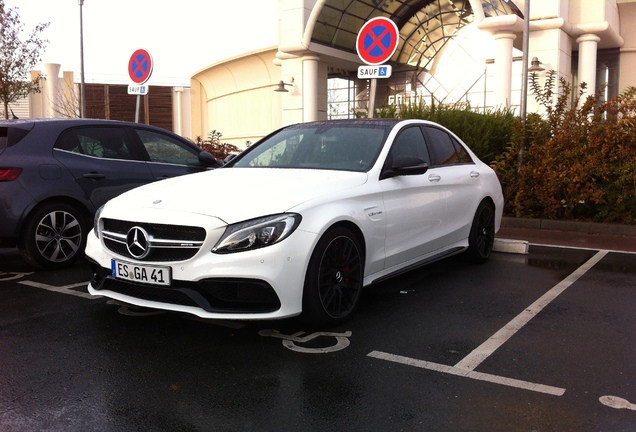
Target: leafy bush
<point>576,163</point>
<point>214,145</point>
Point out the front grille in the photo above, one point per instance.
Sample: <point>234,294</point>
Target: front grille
<point>211,295</point>
<point>166,242</point>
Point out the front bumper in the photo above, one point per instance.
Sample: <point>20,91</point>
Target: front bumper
<point>261,284</point>
<point>213,295</point>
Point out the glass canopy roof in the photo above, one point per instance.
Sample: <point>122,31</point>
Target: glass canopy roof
<point>425,25</point>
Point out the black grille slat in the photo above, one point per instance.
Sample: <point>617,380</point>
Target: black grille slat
<point>181,233</point>
<point>159,230</point>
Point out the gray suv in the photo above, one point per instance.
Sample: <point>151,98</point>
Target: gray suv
<point>55,173</point>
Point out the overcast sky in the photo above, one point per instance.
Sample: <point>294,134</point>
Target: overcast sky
<point>182,36</point>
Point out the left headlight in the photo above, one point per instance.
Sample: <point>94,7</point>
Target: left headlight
<point>257,233</point>
<point>96,220</point>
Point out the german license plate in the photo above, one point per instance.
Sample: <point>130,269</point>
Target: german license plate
<point>154,275</point>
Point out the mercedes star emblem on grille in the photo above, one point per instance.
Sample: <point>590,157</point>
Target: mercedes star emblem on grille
<point>137,242</point>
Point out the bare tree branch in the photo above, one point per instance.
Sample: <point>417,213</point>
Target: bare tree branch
<point>17,57</point>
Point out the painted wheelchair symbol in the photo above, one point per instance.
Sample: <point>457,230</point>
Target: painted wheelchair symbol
<point>291,341</point>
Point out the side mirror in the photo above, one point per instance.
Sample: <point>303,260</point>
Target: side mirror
<point>228,158</point>
<point>208,160</point>
<point>405,165</point>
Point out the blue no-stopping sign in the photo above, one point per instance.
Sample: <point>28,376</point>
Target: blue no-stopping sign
<point>377,41</point>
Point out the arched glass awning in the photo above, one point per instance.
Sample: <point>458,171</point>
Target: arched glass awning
<point>425,25</point>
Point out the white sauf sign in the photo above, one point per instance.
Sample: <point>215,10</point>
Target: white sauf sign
<point>368,72</point>
<point>137,89</point>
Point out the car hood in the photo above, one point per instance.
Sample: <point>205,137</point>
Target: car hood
<point>237,194</point>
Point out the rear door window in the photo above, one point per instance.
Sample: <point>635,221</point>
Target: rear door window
<point>100,142</point>
<point>462,154</point>
<point>441,147</point>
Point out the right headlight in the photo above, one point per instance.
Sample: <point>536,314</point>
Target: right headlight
<point>257,233</point>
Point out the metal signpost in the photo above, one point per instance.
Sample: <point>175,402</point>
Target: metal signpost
<point>376,43</point>
<point>139,70</point>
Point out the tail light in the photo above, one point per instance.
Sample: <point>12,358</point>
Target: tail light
<point>9,174</point>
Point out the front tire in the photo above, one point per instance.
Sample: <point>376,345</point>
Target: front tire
<point>54,236</point>
<point>482,233</point>
<point>333,284</point>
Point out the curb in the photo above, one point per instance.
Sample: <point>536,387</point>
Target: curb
<point>575,226</point>
<point>511,246</point>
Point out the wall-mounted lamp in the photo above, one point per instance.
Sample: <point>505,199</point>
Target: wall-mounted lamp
<point>281,86</point>
<point>535,65</point>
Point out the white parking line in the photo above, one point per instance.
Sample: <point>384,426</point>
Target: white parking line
<point>66,289</point>
<point>540,388</point>
<point>482,352</point>
<point>7,276</point>
<point>466,367</point>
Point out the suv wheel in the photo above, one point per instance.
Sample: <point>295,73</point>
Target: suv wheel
<point>53,236</point>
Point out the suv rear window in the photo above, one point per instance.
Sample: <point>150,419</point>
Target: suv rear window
<point>3,138</point>
<point>10,136</point>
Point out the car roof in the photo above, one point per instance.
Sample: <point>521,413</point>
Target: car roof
<point>371,121</point>
<point>361,122</point>
<point>63,122</point>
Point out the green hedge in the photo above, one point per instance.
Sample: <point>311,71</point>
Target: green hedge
<point>488,135</point>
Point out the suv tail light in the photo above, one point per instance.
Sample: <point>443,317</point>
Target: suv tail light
<point>9,174</point>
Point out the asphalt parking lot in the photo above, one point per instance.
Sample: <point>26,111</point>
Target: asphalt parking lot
<point>536,342</point>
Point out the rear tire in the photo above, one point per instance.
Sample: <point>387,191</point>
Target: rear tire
<point>333,284</point>
<point>54,236</point>
<point>482,234</point>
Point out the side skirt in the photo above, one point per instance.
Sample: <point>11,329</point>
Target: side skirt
<point>429,260</point>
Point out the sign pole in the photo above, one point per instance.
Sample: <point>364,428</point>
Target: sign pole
<point>137,108</point>
<point>372,92</point>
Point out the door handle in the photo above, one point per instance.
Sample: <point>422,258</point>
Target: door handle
<point>474,174</point>
<point>94,176</point>
<point>434,178</point>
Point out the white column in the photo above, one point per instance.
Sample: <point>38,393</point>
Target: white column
<point>178,91</point>
<point>588,43</point>
<point>310,88</point>
<point>52,98</point>
<point>503,67</point>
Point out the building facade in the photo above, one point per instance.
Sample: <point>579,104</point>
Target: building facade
<point>467,52</point>
<point>459,51</point>
<point>163,106</point>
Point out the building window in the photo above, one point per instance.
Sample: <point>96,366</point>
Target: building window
<point>341,98</point>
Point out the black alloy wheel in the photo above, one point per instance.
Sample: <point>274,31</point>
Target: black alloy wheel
<point>54,236</point>
<point>482,233</point>
<point>333,285</point>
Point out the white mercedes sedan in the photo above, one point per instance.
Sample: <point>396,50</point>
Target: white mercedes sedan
<point>299,223</point>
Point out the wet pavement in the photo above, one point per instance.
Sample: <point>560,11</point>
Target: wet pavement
<point>536,342</point>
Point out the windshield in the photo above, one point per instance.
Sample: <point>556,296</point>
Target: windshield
<point>329,146</point>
